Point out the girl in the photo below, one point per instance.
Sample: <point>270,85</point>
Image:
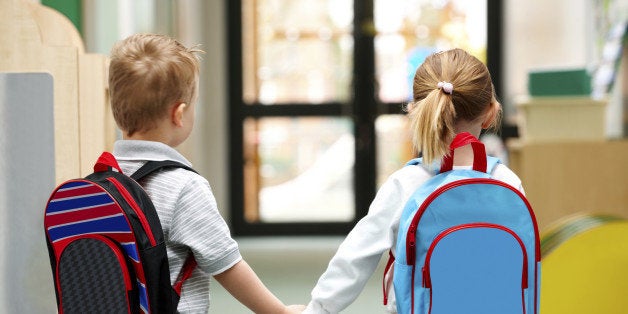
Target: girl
<point>452,93</point>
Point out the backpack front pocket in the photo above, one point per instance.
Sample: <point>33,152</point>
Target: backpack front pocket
<point>93,270</point>
<point>476,268</point>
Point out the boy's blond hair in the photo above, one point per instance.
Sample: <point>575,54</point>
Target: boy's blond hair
<point>434,110</point>
<point>148,73</point>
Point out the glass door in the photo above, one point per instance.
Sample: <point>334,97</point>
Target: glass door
<point>317,90</point>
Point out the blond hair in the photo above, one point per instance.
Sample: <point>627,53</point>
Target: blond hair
<point>435,109</point>
<point>147,74</point>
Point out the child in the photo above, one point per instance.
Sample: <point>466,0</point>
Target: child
<point>153,83</point>
<point>452,93</point>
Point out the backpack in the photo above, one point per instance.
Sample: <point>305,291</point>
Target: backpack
<point>466,243</point>
<point>106,244</point>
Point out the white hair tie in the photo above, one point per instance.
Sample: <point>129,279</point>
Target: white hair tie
<point>447,87</point>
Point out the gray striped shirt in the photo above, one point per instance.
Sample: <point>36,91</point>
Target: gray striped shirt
<point>189,217</point>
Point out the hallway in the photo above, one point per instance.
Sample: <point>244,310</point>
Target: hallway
<point>290,267</point>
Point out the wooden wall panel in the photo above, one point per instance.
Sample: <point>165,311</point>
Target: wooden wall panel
<point>36,38</point>
<point>563,178</point>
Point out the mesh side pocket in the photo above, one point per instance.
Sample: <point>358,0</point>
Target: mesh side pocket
<point>94,278</point>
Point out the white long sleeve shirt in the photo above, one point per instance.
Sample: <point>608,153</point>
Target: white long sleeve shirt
<point>375,234</point>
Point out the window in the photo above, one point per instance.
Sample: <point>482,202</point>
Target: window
<point>316,92</point>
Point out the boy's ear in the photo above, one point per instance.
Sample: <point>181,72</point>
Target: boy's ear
<point>177,114</point>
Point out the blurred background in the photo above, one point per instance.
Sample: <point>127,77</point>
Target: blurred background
<point>300,117</point>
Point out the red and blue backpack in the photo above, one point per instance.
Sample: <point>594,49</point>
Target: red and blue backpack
<point>467,243</point>
<point>106,244</point>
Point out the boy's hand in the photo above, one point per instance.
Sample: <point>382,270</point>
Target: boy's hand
<point>295,308</point>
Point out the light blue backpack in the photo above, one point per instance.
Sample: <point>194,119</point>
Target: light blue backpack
<point>467,243</point>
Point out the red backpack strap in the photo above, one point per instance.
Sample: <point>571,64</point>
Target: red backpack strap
<point>186,271</point>
<point>105,162</point>
<point>385,286</point>
<point>479,152</point>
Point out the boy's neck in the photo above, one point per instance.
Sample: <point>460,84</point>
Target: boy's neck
<point>154,135</point>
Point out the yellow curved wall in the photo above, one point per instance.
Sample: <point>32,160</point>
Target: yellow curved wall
<point>588,271</point>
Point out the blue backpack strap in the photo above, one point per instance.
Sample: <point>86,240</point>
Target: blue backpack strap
<point>415,161</point>
<point>491,163</point>
<point>433,169</point>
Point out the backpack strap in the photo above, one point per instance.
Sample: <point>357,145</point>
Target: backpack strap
<point>106,162</point>
<point>387,278</point>
<point>415,161</point>
<point>484,163</point>
<point>463,139</point>
<point>190,262</point>
<point>151,166</point>
<point>491,163</point>
<point>186,271</point>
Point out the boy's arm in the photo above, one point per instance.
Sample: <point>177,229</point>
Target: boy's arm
<point>243,284</point>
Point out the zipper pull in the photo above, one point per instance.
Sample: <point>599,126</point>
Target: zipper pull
<point>411,243</point>
<point>410,253</point>
<point>427,281</point>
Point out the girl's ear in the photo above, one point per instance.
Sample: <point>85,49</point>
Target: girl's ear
<point>491,115</point>
<point>177,114</point>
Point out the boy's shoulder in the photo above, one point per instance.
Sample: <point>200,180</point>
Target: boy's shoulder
<point>168,176</point>
<point>132,154</point>
<point>137,151</point>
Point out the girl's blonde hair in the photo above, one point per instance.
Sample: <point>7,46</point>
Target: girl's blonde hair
<point>147,74</point>
<point>435,110</point>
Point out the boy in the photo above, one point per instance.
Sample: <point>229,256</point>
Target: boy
<point>153,81</point>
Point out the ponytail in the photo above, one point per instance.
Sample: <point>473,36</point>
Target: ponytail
<point>432,120</point>
<point>449,86</point>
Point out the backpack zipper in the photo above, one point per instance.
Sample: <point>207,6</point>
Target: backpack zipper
<point>128,284</point>
<point>427,280</point>
<point>411,235</point>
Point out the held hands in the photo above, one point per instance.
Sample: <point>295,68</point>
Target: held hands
<point>294,309</point>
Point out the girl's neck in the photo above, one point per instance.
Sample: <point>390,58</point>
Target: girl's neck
<point>463,156</point>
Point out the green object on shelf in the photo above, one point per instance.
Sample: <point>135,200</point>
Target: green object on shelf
<point>559,82</point>
<point>72,9</point>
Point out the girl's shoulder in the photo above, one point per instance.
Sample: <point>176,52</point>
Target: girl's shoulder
<point>410,176</point>
<point>504,174</point>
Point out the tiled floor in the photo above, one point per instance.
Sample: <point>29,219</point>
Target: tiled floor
<point>290,268</point>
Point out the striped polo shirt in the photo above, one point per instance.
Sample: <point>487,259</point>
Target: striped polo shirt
<point>189,217</point>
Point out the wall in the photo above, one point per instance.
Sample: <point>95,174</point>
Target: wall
<point>193,22</point>
<point>212,127</point>
<point>543,34</point>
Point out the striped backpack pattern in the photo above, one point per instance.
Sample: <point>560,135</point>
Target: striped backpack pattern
<point>106,245</point>
<point>467,243</point>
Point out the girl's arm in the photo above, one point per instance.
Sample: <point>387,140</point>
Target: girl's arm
<point>243,284</point>
<point>359,254</point>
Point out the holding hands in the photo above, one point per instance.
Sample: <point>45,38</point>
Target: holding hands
<point>294,309</point>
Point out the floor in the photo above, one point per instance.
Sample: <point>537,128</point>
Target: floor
<point>290,267</point>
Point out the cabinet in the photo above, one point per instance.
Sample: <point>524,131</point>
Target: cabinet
<point>566,177</point>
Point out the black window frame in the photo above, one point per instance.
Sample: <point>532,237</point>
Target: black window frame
<point>363,109</point>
